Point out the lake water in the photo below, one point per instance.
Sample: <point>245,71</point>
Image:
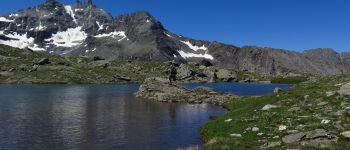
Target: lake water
<point>59,117</point>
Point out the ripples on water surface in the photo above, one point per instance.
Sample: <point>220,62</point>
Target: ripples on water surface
<point>95,117</point>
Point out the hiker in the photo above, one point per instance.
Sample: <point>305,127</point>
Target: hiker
<point>172,73</point>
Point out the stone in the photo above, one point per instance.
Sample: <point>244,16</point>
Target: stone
<point>44,61</point>
<point>282,128</point>
<point>271,145</point>
<point>236,135</point>
<point>224,74</point>
<point>183,71</point>
<point>346,134</point>
<point>277,90</point>
<point>24,67</point>
<point>325,121</point>
<point>268,107</point>
<point>206,63</point>
<point>34,68</point>
<point>255,129</point>
<point>12,69</point>
<point>330,93</point>
<point>345,89</point>
<point>97,58</point>
<point>293,138</point>
<point>294,109</point>
<point>228,120</point>
<point>322,103</point>
<point>125,78</point>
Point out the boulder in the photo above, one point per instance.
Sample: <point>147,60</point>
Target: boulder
<point>345,89</point>
<point>12,69</point>
<point>268,107</point>
<point>277,90</point>
<point>24,67</point>
<point>184,71</point>
<point>128,79</point>
<point>34,68</point>
<point>346,134</point>
<point>206,63</point>
<point>44,61</point>
<point>158,89</point>
<point>318,138</point>
<point>97,58</point>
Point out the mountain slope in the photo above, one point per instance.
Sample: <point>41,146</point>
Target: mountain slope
<point>84,29</point>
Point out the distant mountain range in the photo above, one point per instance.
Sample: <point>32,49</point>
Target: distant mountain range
<point>84,29</point>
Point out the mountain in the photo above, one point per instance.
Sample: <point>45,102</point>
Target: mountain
<point>85,29</point>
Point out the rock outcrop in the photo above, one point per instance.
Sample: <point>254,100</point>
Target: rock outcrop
<point>158,89</point>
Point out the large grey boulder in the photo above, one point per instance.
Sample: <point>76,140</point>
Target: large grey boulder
<point>345,89</point>
<point>318,138</point>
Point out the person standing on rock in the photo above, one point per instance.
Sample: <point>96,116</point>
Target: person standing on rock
<point>172,73</point>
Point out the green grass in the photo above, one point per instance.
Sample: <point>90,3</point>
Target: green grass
<point>289,80</point>
<point>246,112</point>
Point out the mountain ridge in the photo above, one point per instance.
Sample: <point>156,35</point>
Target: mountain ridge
<point>85,29</point>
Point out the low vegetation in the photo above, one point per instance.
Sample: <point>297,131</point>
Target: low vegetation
<point>313,109</point>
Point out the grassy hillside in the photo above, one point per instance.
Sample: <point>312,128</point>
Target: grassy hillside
<point>310,105</point>
<point>20,66</point>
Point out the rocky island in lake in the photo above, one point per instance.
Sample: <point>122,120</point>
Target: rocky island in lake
<point>158,89</point>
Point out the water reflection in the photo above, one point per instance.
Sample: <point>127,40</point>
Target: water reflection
<point>94,117</point>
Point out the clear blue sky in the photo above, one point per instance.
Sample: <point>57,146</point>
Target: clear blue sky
<point>288,24</point>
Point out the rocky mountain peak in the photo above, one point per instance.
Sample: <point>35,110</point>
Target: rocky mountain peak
<point>50,4</point>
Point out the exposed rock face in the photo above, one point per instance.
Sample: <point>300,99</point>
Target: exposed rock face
<point>318,138</point>
<point>157,89</point>
<point>85,29</point>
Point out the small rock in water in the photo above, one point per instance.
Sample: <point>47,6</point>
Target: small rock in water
<point>235,135</point>
<point>277,90</point>
<point>346,134</point>
<point>268,107</point>
<point>228,120</point>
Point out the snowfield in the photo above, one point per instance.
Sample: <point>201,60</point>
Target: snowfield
<point>3,19</point>
<point>116,34</point>
<point>20,41</point>
<point>194,47</point>
<point>191,55</point>
<point>69,38</point>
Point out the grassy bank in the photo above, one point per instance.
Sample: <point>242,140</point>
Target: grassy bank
<point>301,109</point>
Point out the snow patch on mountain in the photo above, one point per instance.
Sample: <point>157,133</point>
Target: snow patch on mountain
<point>40,27</point>
<point>3,19</point>
<point>194,47</point>
<point>69,38</point>
<point>70,11</point>
<point>191,55</point>
<point>116,34</point>
<point>20,41</point>
<point>100,26</point>
<point>167,34</point>
<point>13,15</point>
